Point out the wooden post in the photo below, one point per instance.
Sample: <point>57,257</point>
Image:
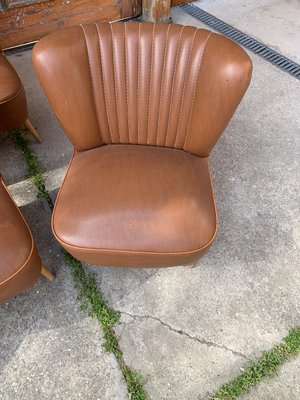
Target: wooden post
<point>156,11</point>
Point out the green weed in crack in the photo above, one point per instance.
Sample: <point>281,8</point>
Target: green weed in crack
<point>92,301</point>
<point>89,295</point>
<point>22,144</point>
<point>266,366</point>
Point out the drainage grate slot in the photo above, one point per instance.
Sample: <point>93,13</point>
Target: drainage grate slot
<point>254,45</point>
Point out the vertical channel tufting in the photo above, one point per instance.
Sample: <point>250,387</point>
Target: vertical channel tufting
<point>117,32</point>
<point>159,138</point>
<point>184,90</point>
<point>115,81</point>
<point>155,84</point>
<point>126,80</point>
<point>145,52</point>
<point>106,54</point>
<point>138,82</point>
<point>108,139</point>
<point>144,79</point>
<point>177,41</point>
<point>184,78</point>
<point>160,46</point>
<point>132,73</point>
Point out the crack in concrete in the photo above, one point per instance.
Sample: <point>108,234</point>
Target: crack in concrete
<point>181,332</point>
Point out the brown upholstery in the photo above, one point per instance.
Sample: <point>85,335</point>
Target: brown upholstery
<point>143,105</point>
<point>20,264</point>
<point>13,105</point>
<point>127,202</point>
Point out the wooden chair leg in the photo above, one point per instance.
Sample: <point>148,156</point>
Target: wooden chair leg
<point>47,274</point>
<point>32,130</point>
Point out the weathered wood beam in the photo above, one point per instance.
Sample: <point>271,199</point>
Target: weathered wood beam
<point>156,10</point>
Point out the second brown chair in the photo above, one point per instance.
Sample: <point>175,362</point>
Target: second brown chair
<point>20,264</point>
<point>143,105</point>
<point>13,103</point>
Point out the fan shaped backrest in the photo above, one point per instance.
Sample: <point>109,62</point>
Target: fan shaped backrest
<point>142,83</point>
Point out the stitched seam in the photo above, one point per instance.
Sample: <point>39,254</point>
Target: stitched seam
<point>162,81</point>
<point>195,87</point>
<point>173,83</point>
<point>138,81</point>
<point>115,80</point>
<point>126,79</point>
<point>150,82</point>
<point>184,86</point>
<point>103,83</point>
<point>91,78</point>
<point>14,96</point>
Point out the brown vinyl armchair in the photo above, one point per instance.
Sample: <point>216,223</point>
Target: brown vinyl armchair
<point>143,105</point>
<point>20,264</point>
<point>13,103</point>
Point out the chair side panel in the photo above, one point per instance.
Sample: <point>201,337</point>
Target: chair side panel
<point>224,77</point>
<point>62,65</point>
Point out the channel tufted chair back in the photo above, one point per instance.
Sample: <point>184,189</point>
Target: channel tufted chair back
<point>143,105</point>
<point>137,83</point>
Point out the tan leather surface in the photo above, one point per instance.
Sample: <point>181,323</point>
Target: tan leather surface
<point>136,200</point>
<point>143,105</point>
<point>20,264</point>
<point>13,106</point>
<point>142,83</point>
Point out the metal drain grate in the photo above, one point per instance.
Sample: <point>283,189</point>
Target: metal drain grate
<point>257,47</point>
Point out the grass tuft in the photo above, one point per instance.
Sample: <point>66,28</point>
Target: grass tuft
<point>22,144</point>
<point>93,302</point>
<point>266,366</point>
<point>89,296</point>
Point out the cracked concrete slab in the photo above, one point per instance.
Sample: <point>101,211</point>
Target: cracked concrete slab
<point>62,363</point>
<point>177,366</point>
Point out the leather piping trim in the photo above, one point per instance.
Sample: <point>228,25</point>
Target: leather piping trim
<point>95,250</point>
<point>15,95</point>
<point>32,242</point>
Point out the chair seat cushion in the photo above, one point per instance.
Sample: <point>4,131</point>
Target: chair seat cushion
<point>136,205</point>
<point>20,265</point>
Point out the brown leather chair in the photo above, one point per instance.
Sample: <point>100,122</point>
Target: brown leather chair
<point>143,105</point>
<point>20,264</point>
<point>13,104</point>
